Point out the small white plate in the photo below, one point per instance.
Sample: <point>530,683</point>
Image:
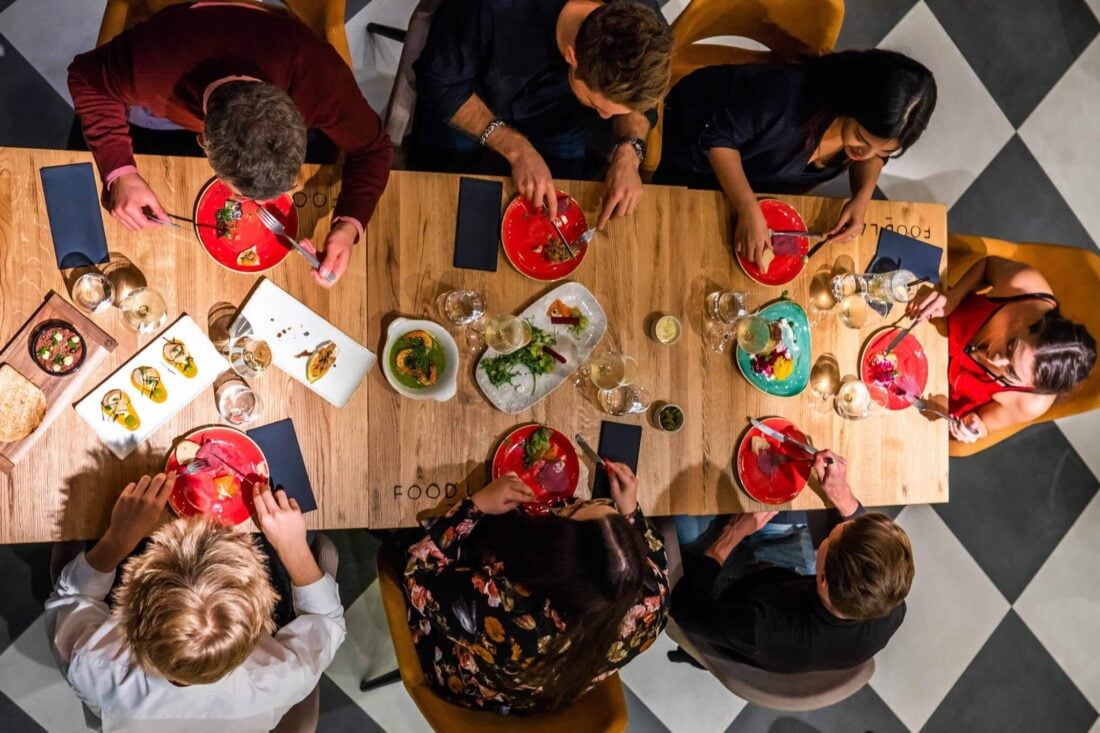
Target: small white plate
<point>447,385</point>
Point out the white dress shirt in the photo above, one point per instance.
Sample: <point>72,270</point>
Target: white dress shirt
<point>283,669</point>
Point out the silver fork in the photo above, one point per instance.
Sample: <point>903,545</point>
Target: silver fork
<point>268,219</point>
<point>586,237</point>
<point>194,467</point>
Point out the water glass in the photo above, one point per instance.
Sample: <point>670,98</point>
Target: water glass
<point>625,399</point>
<point>93,292</point>
<point>462,307</point>
<point>890,287</point>
<point>237,403</point>
<point>250,357</point>
<point>726,306</point>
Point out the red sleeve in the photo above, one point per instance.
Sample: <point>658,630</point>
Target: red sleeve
<point>330,101</point>
<point>95,79</point>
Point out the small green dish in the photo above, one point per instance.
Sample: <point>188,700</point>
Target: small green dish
<point>796,335</point>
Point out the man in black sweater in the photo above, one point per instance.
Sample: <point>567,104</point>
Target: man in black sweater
<point>771,616</point>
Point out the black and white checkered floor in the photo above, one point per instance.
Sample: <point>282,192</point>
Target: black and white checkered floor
<point>1003,628</point>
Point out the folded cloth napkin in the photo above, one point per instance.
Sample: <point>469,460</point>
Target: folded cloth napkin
<point>76,221</point>
<point>899,252</point>
<point>478,224</point>
<point>620,443</point>
<point>287,469</point>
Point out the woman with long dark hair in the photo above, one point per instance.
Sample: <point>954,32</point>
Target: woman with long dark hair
<point>785,129</point>
<point>523,613</point>
<point>1011,352</point>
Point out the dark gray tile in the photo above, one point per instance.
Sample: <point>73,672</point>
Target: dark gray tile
<point>1014,199</point>
<point>641,718</point>
<point>354,6</point>
<point>14,720</point>
<point>1018,48</point>
<point>1012,504</point>
<point>358,561</point>
<point>4,4</point>
<point>25,578</point>
<point>866,22</point>
<point>340,714</point>
<point>863,711</point>
<point>32,114</point>
<point>1013,685</point>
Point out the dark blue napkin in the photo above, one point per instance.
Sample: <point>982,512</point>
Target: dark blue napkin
<point>76,221</point>
<point>279,443</point>
<point>478,224</point>
<point>899,252</point>
<point>620,443</point>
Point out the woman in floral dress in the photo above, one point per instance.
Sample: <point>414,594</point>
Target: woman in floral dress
<point>522,614</point>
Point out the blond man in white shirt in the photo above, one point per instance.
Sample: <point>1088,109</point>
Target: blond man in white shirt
<point>191,645</point>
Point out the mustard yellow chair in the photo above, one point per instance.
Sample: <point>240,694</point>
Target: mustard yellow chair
<point>789,28</point>
<point>1074,274</point>
<point>602,709</point>
<point>323,17</point>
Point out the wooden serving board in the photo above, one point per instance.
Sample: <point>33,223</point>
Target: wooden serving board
<point>60,391</point>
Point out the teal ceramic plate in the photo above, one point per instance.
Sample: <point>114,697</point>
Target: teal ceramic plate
<point>796,335</point>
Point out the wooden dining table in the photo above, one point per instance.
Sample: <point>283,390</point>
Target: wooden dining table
<point>383,459</point>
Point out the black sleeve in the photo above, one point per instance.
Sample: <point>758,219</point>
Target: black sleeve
<point>727,621</point>
<point>757,101</point>
<point>452,59</point>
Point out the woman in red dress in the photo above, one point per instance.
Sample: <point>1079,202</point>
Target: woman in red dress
<point>1011,351</point>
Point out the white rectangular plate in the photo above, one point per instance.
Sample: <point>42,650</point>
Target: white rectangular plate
<point>181,389</point>
<point>291,329</point>
<point>527,392</point>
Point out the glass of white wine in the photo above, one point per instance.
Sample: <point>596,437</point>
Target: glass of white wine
<point>853,399</point>
<point>506,332</point>
<point>854,311</point>
<point>610,370</point>
<point>249,357</point>
<point>758,335</point>
<point>143,310</point>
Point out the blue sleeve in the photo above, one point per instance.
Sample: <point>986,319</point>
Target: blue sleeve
<point>452,59</point>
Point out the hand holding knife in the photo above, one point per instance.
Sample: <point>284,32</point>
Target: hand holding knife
<point>588,450</point>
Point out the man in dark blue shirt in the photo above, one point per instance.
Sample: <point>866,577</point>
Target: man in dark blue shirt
<point>532,79</point>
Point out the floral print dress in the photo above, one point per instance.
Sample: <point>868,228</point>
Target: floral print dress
<point>476,631</point>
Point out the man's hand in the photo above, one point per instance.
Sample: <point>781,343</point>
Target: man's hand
<point>129,195</point>
<point>532,178</point>
<point>338,248</point>
<point>850,222</point>
<point>623,188</point>
<point>737,528</point>
<point>624,486</point>
<point>281,521</point>
<point>750,236</point>
<point>832,471</point>
<point>136,514</point>
<point>503,495</point>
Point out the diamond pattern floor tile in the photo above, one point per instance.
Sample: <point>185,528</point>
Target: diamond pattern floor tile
<point>866,22</point>
<point>1082,431</point>
<point>951,610</point>
<point>1061,606</point>
<point>1023,48</point>
<point>1014,199</point>
<point>32,114</point>
<point>30,678</point>
<point>944,162</point>
<point>32,27</point>
<point>1054,132</point>
<point>340,714</point>
<point>863,711</point>
<point>1013,685</point>
<point>1010,525</point>
<point>640,718</point>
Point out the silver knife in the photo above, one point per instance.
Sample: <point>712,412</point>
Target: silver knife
<point>564,241</point>
<point>776,435</point>
<point>588,449</point>
<point>794,233</point>
<point>898,339</point>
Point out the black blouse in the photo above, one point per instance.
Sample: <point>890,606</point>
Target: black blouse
<point>759,110</point>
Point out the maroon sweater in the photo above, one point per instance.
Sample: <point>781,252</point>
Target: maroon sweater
<point>166,63</point>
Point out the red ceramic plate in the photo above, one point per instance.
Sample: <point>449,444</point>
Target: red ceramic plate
<point>195,494</point>
<point>785,267</point>
<point>910,373</point>
<point>526,226</point>
<point>773,480</point>
<point>249,231</point>
<point>509,457</point>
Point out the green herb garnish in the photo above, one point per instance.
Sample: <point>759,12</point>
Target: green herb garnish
<point>503,369</point>
<point>535,447</point>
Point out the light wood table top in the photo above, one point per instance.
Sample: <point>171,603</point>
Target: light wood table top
<point>382,459</point>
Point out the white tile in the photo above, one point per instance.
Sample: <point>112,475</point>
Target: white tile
<point>1083,433</point>
<point>684,697</point>
<point>32,26</point>
<point>952,609</point>
<point>1061,134</point>
<point>673,8</point>
<point>368,652</point>
<point>1061,605</point>
<point>29,676</point>
<point>967,129</point>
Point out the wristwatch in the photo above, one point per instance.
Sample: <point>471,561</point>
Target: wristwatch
<point>635,142</point>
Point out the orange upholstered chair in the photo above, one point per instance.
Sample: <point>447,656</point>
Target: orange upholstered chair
<point>1074,274</point>
<point>602,709</point>
<point>789,28</point>
<point>324,17</point>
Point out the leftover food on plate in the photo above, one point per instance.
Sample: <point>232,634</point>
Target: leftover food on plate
<point>249,257</point>
<point>554,249</point>
<point>57,347</point>
<point>321,360</point>
<point>776,365</point>
<point>22,405</point>
<point>884,368</point>
<point>417,359</point>
<point>117,407</point>
<point>147,382</point>
<point>226,219</point>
